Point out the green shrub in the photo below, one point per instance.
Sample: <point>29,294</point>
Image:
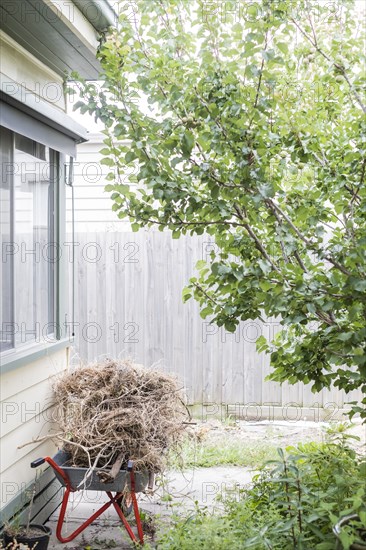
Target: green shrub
<point>293,503</point>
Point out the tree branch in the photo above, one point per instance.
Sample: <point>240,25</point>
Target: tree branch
<point>278,230</point>
<point>362,178</point>
<point>206,294</point>
<point>274,207</point>
<point>300,262</point>
<point>311,245</point>
<point>259,245</point>
<point>181,223</point>
<point>108,476</point>
<point>339,67</point>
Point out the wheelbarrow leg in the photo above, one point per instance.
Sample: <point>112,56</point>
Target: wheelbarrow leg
<point>134,501</point>
<point>122,517</point>
<point>112,500</point>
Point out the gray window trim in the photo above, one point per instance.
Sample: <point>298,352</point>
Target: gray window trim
<point>11,360</point>
<point>27,126</point>
<point>20,98</point>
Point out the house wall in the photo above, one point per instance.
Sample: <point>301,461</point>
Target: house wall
<point>26,412</point>
<point>21,71</point>
<point>25,391</point>
<point>92,204</point>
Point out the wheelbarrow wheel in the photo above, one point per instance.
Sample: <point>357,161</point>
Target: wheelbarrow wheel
<point>126,504</point>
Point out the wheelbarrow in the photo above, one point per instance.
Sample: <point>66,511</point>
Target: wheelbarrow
<point>75,479</point>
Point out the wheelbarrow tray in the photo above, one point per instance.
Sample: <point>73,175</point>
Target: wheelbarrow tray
<point>93,483</point>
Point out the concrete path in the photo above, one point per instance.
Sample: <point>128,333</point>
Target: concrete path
<point>176,493</point>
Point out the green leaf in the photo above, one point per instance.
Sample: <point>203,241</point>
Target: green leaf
<point>345,336</point>
<point>215,191</point>
<point>281,453</point>
<point>187,143</point>
<point>107,162</point>
<point>261,344</point>
<point>129,157</point>
<point>283,47</point>
<point>206,311</point>
<point>358,284</point>
<point>186,294</point>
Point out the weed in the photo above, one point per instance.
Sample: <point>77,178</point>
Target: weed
<point>220,451</point>
<point>293,504</point>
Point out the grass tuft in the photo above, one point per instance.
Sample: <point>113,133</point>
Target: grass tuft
<point>220,451</point>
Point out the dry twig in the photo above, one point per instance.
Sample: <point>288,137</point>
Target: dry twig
<point>117,411</point>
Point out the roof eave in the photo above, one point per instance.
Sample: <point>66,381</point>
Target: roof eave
<point>99,13</point>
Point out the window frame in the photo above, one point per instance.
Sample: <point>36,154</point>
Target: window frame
<point>28,352</point>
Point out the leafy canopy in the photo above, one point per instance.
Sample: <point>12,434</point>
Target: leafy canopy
<point>246,121</point>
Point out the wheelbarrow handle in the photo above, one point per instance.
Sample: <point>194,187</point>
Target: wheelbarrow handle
<point>55,466</point>
<point>37,462</point>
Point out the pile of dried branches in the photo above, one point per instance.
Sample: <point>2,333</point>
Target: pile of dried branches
<point>117,411</point>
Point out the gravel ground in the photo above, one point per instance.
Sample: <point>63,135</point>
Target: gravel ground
<point>278,433</point>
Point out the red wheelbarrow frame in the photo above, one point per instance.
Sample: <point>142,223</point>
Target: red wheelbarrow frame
<point>113,500</point>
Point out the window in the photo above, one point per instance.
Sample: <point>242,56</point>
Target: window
<point>29,172</point>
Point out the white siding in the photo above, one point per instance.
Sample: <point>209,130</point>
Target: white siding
<point>76,21</point>
<point>93,206</point>
<point>20,70</point>
<point>26,413</point>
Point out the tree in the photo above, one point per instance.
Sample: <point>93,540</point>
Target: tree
<point>246,121</point>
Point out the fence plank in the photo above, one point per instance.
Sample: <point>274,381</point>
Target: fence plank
<point>134,294</point>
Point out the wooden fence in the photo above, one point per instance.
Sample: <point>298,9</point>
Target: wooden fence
<point>128,302</point>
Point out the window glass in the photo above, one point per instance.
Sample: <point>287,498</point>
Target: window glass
<point>28,267</point>
<point>6,266</point>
